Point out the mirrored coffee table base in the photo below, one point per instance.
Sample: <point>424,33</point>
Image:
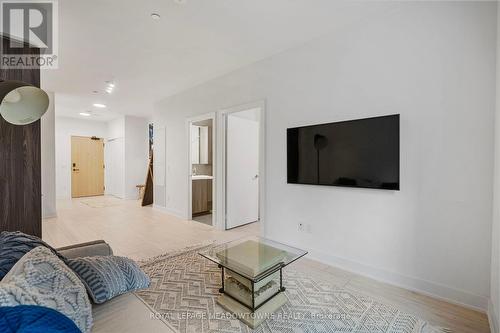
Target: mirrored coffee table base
<point>252,318</point>
<point>252,277</point>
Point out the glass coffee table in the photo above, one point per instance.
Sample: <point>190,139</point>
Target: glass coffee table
<point>252,276</point>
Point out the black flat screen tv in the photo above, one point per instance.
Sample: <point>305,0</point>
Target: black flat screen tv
<point>356,153</point>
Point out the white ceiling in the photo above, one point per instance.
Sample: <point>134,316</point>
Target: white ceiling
<point>198,40</point>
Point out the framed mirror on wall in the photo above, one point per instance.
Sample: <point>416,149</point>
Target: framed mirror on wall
<point>150,139</point>
<point>199,144</point>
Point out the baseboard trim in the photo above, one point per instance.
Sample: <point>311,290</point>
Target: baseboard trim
<point>170,211</point>
<point>424,287</point>
<point>428,288</point>
<point>492,318</point>
<point>49,216</point>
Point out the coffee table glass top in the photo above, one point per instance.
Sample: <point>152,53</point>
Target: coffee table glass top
<point>253,256</point>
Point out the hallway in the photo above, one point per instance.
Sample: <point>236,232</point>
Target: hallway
<point>131,230</point>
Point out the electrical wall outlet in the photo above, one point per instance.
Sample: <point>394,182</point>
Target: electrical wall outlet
<point>304,227</point>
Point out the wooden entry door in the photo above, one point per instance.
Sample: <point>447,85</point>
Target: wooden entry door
<point>87,166</point>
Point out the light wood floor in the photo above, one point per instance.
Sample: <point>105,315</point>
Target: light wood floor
<point>139,233</point>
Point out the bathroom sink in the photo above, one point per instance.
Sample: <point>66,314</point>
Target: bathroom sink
<point>202,177</point>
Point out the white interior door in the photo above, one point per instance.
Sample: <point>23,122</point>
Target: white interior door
<point>242,168</point>
<point>115,173</point>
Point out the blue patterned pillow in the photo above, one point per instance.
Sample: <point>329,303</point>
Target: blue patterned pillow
<point>108,276</point>
<point>14,245</point>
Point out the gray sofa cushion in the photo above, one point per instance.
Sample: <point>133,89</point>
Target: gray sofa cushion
<point>128,314</point>
<point>40,278</point>
<point>14,245</point>
<point>89,249</point>
<point>108,276</point>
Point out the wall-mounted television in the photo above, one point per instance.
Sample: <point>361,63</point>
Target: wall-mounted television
<point>356,153</point>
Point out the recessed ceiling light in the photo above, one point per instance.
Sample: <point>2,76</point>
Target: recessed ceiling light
<point>99,105</point>
<point>85,114</point>
<point>155,16</point>
<point>180,2</point>
<point>109,87</point>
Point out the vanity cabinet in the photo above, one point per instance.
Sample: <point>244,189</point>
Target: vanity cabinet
<point>202,196</point>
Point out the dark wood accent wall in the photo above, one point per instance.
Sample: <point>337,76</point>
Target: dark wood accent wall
<point>20,165</point>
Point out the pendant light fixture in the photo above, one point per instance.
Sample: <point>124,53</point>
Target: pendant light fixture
<point>21,103</point>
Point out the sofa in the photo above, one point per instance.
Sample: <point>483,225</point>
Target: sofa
<point>126,313</point>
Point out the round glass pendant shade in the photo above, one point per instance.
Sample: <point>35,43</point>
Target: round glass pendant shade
<point>21,103</point>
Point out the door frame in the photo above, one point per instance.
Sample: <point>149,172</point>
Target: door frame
<point>222,162</point>
<point>189,121</point>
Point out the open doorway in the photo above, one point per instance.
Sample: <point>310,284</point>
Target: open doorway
<point>201,156</point>
<point>87,166</point>
<point>243,164</point>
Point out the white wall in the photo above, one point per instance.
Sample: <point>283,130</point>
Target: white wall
<point>116,128</point>
<point>136,154</point>
<point>48,160</point>
<point>127,156</point>
<point>432,62</point>
<point>494,306</point>
<point>66,128</point>
<point>114,154</point>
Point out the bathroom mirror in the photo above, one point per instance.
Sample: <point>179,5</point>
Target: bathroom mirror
<point>199,144</point>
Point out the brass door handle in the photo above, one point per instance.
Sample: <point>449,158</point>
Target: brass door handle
<point>76,169</point>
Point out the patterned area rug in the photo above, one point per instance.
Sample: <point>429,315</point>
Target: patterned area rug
<point>100,203</point>
<point>185,287</point>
